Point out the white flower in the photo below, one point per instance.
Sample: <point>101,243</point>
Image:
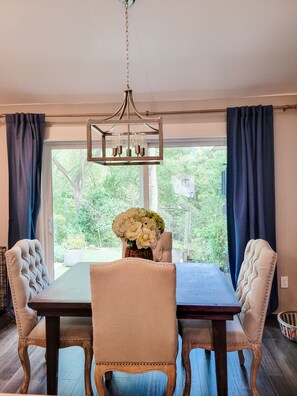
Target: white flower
<point>119,226</point>
<point>145,239</point>
<point>150,223</point>
<point>139,226</point>
<point>133,230</point>
<point>135,213</point>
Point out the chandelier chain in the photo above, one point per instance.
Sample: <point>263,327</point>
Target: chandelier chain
<point>127,45</point>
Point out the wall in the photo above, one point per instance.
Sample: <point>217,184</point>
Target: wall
<point>286,205</point>
<point>213,124</point>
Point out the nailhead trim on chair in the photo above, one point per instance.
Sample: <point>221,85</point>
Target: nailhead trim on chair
<point>136,364</point>
<point>155,263</point>
<point>206,342</point>
<point>248,280</point>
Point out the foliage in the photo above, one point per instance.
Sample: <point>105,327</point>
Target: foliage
<point>75,241</point>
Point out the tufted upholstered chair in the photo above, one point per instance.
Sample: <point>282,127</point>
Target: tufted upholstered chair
<point>28,276</point>
<point>162,251</point>
<point>134,318</point>
<point>246,329</point>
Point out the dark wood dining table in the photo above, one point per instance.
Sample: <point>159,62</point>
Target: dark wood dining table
<point>202,292</point>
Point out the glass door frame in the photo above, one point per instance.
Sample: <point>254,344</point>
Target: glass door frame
<point>45,219</point>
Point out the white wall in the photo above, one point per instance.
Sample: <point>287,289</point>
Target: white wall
<point>213,124</point>
<point>286,204</point>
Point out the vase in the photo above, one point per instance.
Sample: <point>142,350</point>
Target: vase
<point>139,253</point>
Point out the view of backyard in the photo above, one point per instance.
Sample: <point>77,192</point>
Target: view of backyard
<point>187,191</point>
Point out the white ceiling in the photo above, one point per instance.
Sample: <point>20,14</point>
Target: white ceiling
<point>73,51</point>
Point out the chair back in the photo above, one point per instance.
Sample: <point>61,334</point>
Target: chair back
<point>134,312</point>
<point>162,251</point>
<point>28,276</point>
<point>254,286</point>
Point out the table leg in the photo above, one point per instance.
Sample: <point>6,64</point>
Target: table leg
<point>220,349</point>
<point>52,353</point>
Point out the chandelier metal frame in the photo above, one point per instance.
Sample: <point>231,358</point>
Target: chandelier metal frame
<point>108,146</point>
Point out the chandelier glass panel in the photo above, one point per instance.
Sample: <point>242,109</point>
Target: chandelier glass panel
<point>125,136</point>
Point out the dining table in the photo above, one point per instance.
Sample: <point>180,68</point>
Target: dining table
<point>202,292</point>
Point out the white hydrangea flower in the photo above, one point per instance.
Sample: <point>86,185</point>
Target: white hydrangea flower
<point>150,223</point>
<point>133,230</point>
<point>145,239</point>
<point>138,226</point>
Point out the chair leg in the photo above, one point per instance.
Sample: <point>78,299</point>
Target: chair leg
<point>25,362</point>
<point>186,349</point>
<point>241,357</point>
<point>87,346</point>
<point>108,378</point>
<point>257,357</point>
<point>99,379</point>
<point>171,380</point>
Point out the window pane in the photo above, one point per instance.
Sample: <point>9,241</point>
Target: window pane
<point>86,198</point>
<point>188,192</point>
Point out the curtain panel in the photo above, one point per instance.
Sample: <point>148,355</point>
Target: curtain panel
<point>250,184</point>
<point>25,135</point>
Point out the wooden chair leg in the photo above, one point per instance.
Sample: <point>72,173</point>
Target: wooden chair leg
<point>108,376</point>
<point>25,362</point>
<point>171,380</point>
<point>186,349</point>
<point>257,357</point>
<point>88,349</point>
<point>99,379</point>
<point>241,357</point>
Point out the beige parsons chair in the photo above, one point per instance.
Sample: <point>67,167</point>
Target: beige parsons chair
<point>162,251</point>
<point>134,318</point>
<point>28,276</point>
<point>245,331</point>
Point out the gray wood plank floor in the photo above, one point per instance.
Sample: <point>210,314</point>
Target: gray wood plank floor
<point>277,374</point>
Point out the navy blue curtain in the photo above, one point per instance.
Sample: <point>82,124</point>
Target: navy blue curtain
<point>25,134</point>
<point>250,184</point>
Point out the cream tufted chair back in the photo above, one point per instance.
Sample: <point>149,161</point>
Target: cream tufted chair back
<point>162,251</point>
<point>134,318</point>
<point>246,329</point>
<point>254,285</point>
<point>28,276</point>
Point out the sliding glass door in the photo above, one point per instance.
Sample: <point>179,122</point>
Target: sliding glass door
<point>187,190</point>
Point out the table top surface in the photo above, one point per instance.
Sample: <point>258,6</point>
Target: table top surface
<point>201,288</point>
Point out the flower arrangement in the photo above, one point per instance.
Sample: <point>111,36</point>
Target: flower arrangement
<point>139,227</point>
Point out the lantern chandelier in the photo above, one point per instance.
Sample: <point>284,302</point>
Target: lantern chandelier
<point>124,137</point>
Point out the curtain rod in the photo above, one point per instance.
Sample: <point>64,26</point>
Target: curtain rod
<point>160,113</point>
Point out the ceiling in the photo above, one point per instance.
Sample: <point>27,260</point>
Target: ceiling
<point>73,51</point>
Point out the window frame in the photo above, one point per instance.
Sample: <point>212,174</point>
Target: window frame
<point>45,219</point>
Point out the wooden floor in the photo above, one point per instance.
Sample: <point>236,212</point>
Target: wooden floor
<point>277,374</point>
